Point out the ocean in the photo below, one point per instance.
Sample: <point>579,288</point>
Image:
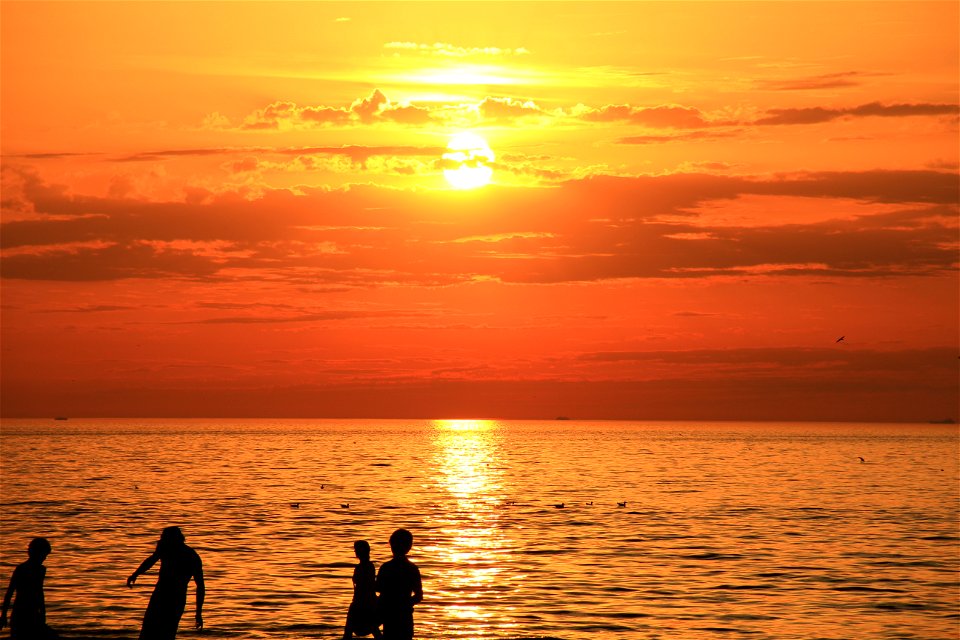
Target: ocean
<point>673,530</point>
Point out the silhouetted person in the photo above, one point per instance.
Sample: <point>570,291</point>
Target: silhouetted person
<point>362,616</point>
<point>29,619</point>
<point>178,564</point>
<point>400,588</point>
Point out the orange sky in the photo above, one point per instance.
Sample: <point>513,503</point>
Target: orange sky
<point>239,209</point>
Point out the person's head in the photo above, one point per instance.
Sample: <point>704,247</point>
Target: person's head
<point>171,537</point>
<point>39,549</point>
<point>401,541</point>
<point>362,549</point>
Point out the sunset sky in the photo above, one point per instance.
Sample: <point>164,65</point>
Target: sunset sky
<point>241,209</point>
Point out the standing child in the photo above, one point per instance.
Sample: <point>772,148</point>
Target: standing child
<point>29,619</point>
<point>400,589</point>
<point>362,615</point>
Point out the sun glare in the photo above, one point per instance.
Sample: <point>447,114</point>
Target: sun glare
<point>464,425</point>
<point>467,161</point>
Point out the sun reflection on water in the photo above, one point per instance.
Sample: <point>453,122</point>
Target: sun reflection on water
<point>471,542</point>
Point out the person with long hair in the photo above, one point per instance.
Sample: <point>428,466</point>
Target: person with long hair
<point>362,615</point>
<point>178,564</point>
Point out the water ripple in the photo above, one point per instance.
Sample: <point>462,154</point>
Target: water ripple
<point>794,541</point>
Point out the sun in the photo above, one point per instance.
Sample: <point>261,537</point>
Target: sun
<point>467,161</point>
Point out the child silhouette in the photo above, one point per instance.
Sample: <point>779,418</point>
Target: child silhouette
<point>29,619</point>
<point>362,615</point>
<point>400,588</point>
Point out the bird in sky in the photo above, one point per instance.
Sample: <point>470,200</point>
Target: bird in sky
<point>840,339</point>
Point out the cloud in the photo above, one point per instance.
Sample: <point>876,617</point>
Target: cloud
<point>507,108</point>
<point>787,357</point>
<point>406,114</point>
<point>596,228</point>
<point>94,308</point>
<point>837,80</point>
<point>664,116</point>
<point>321,316</point>
<point>683,137</point>
<point>378,108</point>
<point>49,156</point>
<point>813,115</point>
<point>370,110</point>
<point>113,262</point>
<point>356,153</point>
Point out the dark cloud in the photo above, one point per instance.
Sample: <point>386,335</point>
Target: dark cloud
<point>813,115</point>
<point>597,228</point>
<point>53,155</point>
<point>357,153</point>
<point>234,306</point>
<point>874,186</point>
<point>108,263</point>
<point>836,357</point>
<point>837,80</point>
<point>93,308</point>
<point>323,316</point>
<point>171,153</point>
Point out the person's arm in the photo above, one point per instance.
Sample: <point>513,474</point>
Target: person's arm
<point>417,587</point>
<point>143,568</point>
<point>201,592</point>
<point>7,598</point>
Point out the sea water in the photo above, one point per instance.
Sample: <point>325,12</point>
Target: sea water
<point>667,530</point>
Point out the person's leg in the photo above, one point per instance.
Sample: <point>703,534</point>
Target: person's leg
<point>347,631</point>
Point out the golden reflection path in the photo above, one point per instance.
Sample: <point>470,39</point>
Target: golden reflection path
<point>471,544</point>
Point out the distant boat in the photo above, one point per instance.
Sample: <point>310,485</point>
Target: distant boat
<point>61,418</point>
<point>561,418</point>
<point>944,421</point>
